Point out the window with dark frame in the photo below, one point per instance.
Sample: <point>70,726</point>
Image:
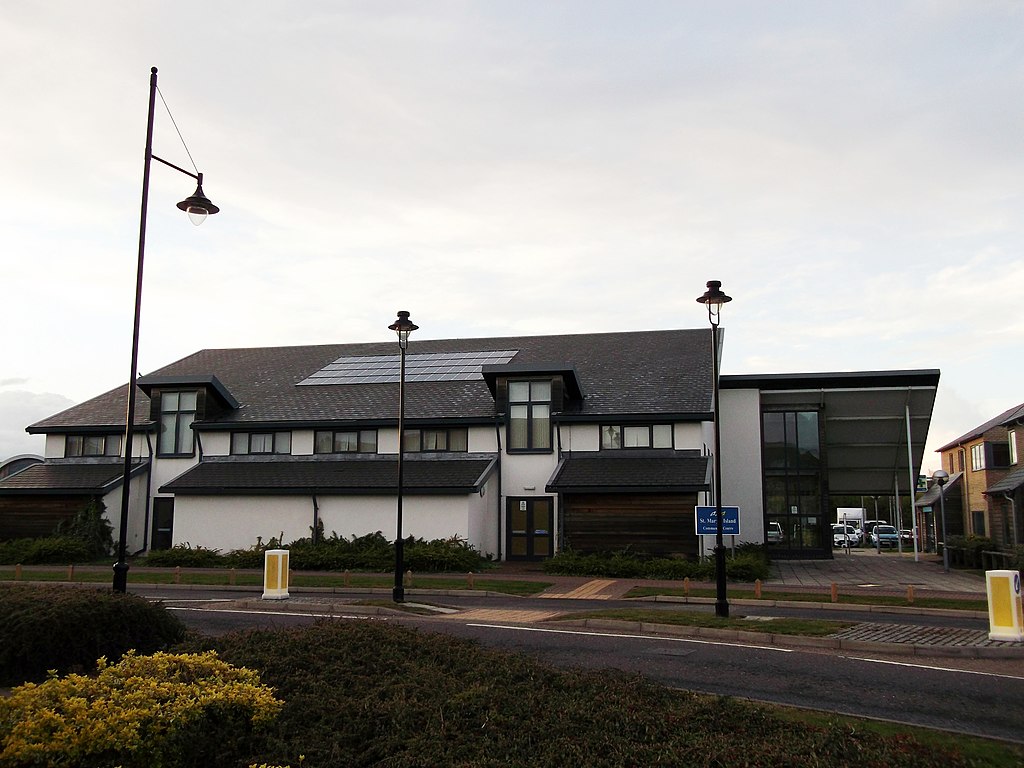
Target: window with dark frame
<point>345,441</point>
<point>529,415</point>
<point>243,443</point>
<point>618,436</point>
<point>444,440</point>
<point>177,412</point>
<point>92,445</point>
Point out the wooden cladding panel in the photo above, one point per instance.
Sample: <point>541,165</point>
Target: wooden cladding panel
<point>661,524</point>
<point>32,516</point>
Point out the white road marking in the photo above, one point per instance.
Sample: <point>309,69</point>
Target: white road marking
<point>632,637</point>
<point>276,613</point>
<point>933,668</point>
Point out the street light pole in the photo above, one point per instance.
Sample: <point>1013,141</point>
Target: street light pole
<point>714,299</point>
<point>403,326</point>
<point>941,477</point>
<point>198,207</point>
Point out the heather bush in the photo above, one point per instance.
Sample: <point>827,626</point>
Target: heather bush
<point>157,711</point>
<point>67,629</point>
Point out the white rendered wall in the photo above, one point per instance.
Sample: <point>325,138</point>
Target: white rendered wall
<point>483,440</point>
<point>215,443</point>
<point>741,459</point>
<point>581,437</point>
<point>688,436</point>
<point>484,518</point>
<point>137,521</point>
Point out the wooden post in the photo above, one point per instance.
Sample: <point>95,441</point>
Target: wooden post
<point>757,588</point>
<point>407,581</point>
<point>346,577</point>
<point>177,574</point>
<point>17,572</point>
<point>686,586</point>
<point>910,594</point>
<point>470,580</point>
<point>231,577</point>
<point>71,572</point>
<point>835,592</point>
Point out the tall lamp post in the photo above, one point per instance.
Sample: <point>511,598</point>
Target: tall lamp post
<point>941,477</point>
<point>714,299</point>
<point>198,207</point>
<point>403,326</point>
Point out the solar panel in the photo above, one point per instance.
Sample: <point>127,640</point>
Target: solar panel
<point>432,366</point>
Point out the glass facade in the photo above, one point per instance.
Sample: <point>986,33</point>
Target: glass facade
<point>793,490</point>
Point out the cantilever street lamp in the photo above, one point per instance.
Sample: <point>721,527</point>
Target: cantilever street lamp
<point>941,477</point>
<point>403,326</point>
<point>714,299</point>
<point>198,207</point>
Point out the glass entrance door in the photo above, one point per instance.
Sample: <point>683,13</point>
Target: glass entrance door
<point>530,524</point>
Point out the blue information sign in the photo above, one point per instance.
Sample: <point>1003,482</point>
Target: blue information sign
<point>707,521</point>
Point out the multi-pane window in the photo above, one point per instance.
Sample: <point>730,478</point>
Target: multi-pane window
<point>345,441</point>
<point>261,442</point>
<point>636,436</point>
<point>92,445</point>
<point>529,413</point>
<point>978,456</point>
<point>177,412</point>
<point>452,439</point>
<point>791,447</point>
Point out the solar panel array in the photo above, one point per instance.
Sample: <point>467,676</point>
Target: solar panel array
<point>385,369</point>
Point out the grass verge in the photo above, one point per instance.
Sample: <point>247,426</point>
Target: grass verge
<point>817,597</point>
<point>775,626</point>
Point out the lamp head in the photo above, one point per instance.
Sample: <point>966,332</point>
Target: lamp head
<point>940,476</point>
<point>403,326</point>
<point>714,298</point>
<point>198,205</point>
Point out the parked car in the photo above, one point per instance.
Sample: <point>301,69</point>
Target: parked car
<point>869,525</point>
<point>846,536</point>
<point>775,535</point>
<point>907,536</point>
<point>884,536</point>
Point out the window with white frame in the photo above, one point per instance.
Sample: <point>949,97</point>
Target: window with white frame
<point>261,442</point>
<point>615,436</point>
<point>978,457</point>
<point>1012,441</point>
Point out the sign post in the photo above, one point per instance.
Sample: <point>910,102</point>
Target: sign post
<point>707,521</point>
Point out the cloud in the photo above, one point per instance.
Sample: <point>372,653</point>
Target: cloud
<point>18,409</point>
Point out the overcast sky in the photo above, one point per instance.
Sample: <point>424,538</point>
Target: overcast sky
<point>851,172</point>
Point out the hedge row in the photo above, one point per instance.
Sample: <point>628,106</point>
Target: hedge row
<point>68,629</point>
<point>748,564</point>
<point>334,553</point>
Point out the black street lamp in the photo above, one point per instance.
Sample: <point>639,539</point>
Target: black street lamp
<point>403,326</point>
<point>198,207</point>
<point>714,299</point>
<point>941,477</point>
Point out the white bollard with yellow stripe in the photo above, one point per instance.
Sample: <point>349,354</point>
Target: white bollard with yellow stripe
<point>275,574</point>
<point>1005,611</point>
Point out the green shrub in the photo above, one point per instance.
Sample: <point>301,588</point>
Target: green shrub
<point>186,556</point>
<point>162,710</point>
<point>91,527</point>
<point>64,550</point>
<point>749,564</point>
<point>452,555</point>
<point>973,546</point>
<point>67,629</point>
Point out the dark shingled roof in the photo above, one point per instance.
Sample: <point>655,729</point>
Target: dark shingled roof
<point>676,472</point>
<point>65,478</point>
<point>627,373</point>
<point>1008,484</point>
<point>1006,418</point>
<point>365,475</point>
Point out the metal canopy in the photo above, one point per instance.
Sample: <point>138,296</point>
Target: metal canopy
<point>864,418</point>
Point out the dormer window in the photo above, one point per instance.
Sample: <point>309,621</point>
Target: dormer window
<point>615,436</point>
<point>529,414</point>
<point>177,412</point>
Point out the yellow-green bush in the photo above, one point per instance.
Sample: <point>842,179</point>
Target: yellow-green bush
<point>158,711</point>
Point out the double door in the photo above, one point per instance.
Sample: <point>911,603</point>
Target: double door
<point>530,528</point>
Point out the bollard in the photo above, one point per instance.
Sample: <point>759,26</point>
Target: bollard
<point>71,573</point>
<point>835,592</point>
<point>17,572</point>
<point>407,581</point>
<point>686,586</point>
<point>346,577</point>
<point>757,589</point>
<point>231,577</point>
<point>470,580</point>
<point>177,574</point>
<point>910,594</point>
<point>275,574</point>
<point>1005,606</point>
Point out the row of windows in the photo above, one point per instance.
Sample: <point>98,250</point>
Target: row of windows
<point>990,455</point>
<point>92,445</point>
